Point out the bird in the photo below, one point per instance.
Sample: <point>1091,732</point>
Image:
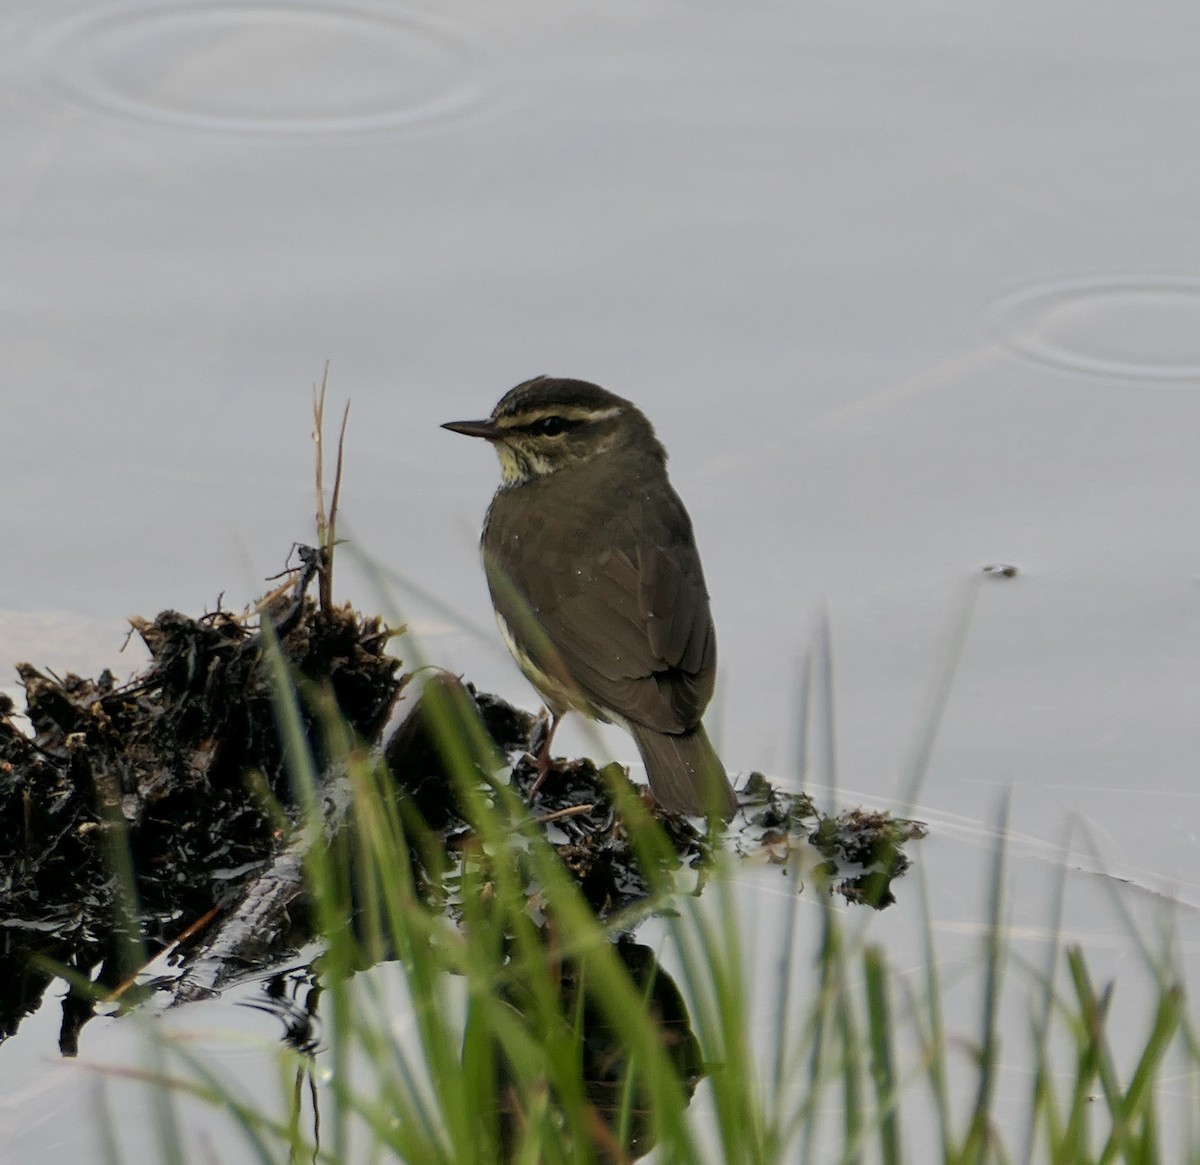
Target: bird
<point>596,581</point>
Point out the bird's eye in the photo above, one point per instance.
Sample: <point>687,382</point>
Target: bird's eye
<point>550,426</point>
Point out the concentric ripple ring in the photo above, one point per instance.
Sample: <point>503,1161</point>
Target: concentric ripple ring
<point>1133,326</point>
<point>262,67</point>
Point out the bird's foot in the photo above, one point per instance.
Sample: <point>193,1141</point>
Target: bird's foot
<point>540,735</point>
<point>538,755</point>
<point>543,771</point>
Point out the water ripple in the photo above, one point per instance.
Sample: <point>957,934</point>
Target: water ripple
<point>1133,326</point>
<point>262,68</point>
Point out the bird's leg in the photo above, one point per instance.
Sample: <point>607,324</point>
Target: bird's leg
<point>540,740</point>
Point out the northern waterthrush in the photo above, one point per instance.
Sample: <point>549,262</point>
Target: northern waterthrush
<point>596,581</point>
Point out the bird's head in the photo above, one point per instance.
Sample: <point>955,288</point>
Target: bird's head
<point>548,424</point>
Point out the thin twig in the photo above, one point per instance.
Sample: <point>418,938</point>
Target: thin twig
<point>326,522</point>
<point>331,534</point>
<point>179,939</point>
<point>318,434</point>
<point>569,811</point>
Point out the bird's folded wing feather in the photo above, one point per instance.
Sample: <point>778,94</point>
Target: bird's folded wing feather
<point>631,625</point>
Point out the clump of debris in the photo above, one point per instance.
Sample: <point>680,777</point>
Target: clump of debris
<point>168,783</point>
<point>159,813</point>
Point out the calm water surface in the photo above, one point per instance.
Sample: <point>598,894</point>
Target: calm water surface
<point>907,291</point>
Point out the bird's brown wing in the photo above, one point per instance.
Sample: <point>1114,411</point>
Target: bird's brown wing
<point>622,606</point>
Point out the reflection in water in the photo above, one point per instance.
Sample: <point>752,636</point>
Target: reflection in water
<point>293,996</point>
<point>622,1124</point>
<point>607,1067</point>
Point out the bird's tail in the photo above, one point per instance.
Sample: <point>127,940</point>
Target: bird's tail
<point>686,775</point>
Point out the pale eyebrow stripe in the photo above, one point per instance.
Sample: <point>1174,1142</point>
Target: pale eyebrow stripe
<point>567,412</point>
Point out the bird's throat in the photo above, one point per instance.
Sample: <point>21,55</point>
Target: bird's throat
<point>520,467</point>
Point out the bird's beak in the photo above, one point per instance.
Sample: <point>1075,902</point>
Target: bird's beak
<point>488,430</point>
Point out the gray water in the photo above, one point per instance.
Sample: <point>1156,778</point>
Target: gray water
<point>908,290</point>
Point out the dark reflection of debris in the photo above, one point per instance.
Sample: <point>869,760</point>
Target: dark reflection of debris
<point>607,1064</point>
<point>293,997</point>
<point>607,1067</point>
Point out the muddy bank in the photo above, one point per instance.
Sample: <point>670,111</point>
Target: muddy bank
<point>160,813</point>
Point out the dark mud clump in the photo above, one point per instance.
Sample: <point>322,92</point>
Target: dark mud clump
<point>857,853</point>
<point>171,784</point>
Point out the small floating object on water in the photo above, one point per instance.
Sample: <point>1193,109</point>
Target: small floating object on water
<point>1000,570</point>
